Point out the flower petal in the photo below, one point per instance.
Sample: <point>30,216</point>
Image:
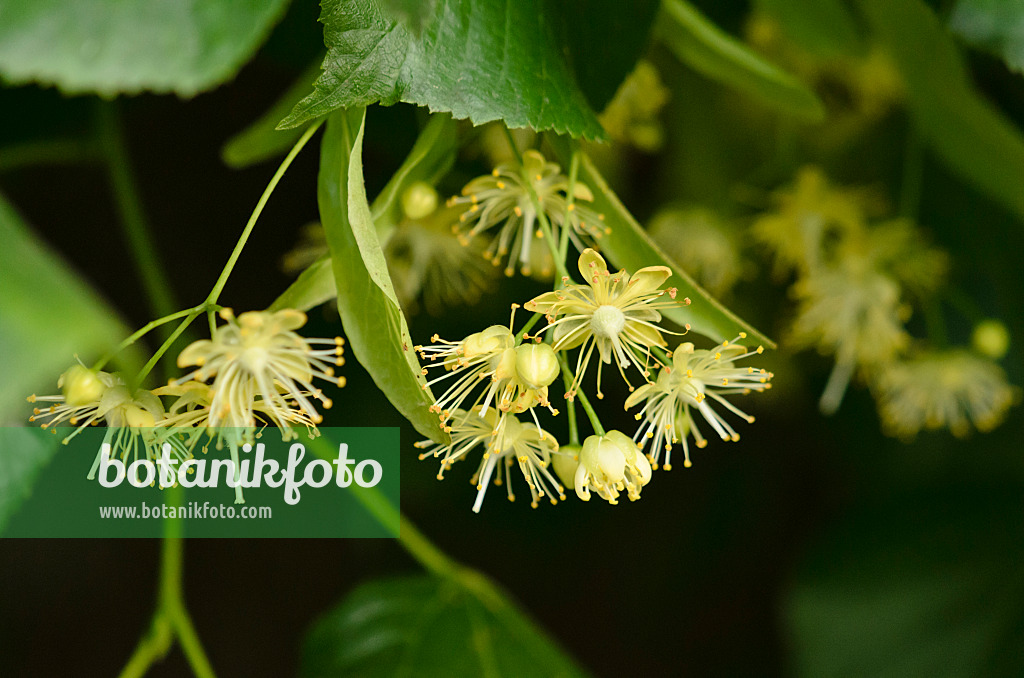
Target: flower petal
<point>648,279</point>
<point>582,192</point>
<point>545,303</point>
<point>639,394</point>
<point>644,334</point>
<point>592,264</point>
<point>195,353</point>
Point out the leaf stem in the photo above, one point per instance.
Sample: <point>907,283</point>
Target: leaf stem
<point>222,280</point>
<point>110,133</point>
<point>189,639</point>
<point>512,143</point>
<point>545,228</point>
<point>574,432</point>
<point>570,201</point>
<point>49,152</point>
<point>152,647</point>
<point>172,596</point>
<point>138,334</point>
<point>168,342</point>
<point>595,422</point>
<point>527,327</point>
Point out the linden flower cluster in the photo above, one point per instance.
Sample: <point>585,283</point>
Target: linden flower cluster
<point>507,442</point>
<point>514,378</point>
<point>492,376</point>
<point>517,201</point>
<point>952,389</point>
<point>92,397</point>
<point>255,370</point>
<point>856,284</point>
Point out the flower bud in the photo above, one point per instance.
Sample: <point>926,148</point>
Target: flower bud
<point>81,386</point>
<point>991,339</point>
<point>492,339</point>
<point>634,457</point>
<point>565,464</point>
<point>528,399</point>
<point>609,464</point>
<point>136,417</point>
<point>536,365</point>
<point>419,200</point>
<point>505,366</point>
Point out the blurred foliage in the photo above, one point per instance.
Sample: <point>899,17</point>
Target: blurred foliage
<point>423,626</point>
<point>995,25</point>
<point>49,316</point>
<point>109,47</point>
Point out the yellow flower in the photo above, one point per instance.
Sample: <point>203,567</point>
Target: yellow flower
<point>516,377</point>
<point>943,389</point>
<point>507,442</point>
<point>854,312</point>
<point>696,377</point>
<point>90,398</point>
<point>502,199</point>
<point>616,313</point>
<point>258,363</point>
<point>808,216</point>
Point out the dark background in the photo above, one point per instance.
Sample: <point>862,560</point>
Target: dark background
<point>692,580</point>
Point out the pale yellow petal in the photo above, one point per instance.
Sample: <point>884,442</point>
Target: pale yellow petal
<point>591,264</point>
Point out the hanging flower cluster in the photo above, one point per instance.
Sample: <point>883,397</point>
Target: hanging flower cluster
<point>254,371</point>
<point>489,377</point>
<point>857,282</point>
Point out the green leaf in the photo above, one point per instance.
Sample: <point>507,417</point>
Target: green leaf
<point>823,27</point>
<point>262,140</point>
<point>24,452</point>
<point>628,246</point>
<point>113,46</point>
<point>994,25</point>
<point>478,59</point>
<point>706,48</point>
<point>604,39</point>
<point>49,316</point>
<point>974,139</point>
<point>370,312</point>
<point>920,583</point>
<point>313,287</point>
<point>428,627</point>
